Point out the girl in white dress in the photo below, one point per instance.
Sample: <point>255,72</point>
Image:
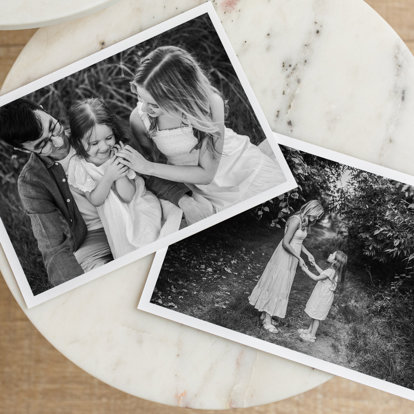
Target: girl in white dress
<point>130,214</point>
<point>271,293</point>
<point>181,112</point>
<point>321,299</point>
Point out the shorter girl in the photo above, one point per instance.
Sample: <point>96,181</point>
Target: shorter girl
<point>131,216</point>
<point>322,297</point>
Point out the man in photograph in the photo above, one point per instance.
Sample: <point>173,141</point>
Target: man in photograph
<point>66,225</point>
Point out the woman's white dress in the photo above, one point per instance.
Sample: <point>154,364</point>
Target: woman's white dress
<point>271,293</point>
<point>127,226</point>
<point>243,171</point>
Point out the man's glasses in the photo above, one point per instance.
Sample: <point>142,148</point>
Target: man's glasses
<point>55,132</point>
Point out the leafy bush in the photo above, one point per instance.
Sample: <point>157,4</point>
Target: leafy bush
<point>381,341</point>
<point>373,216</point>
<point>110,78</point>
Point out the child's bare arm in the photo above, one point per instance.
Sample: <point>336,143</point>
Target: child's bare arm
<point>312,275</point>
<point>317,268</point>
<point>125,189</point>
<point>100,193</point>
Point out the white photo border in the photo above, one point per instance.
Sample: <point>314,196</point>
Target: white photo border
<point>290,183</point>
<point>296,356</point>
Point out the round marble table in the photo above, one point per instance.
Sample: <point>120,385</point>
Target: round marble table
<point>327,71</point>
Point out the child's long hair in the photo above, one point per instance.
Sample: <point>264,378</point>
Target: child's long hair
<point>179,86</point>
<point>83,118</point>
<point>341,260</point>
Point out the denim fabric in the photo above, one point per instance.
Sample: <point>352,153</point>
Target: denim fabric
<point>166,190</point>
<point>56,222</point>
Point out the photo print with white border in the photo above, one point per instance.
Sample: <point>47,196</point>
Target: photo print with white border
<point>322,275</point>
<point>128,150</point>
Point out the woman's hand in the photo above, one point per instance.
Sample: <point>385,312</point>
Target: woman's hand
<point>302,263</point>
<point>311,259</point>
<point>134,160</point>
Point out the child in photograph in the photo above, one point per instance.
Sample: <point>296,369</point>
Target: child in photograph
<point>321,299</point>
<point>270,296</point>
<point>130,214</point>
<point>183,114</point>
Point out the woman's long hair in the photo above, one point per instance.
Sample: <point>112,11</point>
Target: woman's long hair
<point>341,260</point>
<point>311,208</point>
<point>180,88</point>
<point>83,118</point>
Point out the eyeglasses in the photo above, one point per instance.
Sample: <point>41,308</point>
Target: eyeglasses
<point>55,132</point>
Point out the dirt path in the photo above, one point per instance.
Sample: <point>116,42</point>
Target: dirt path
<point>210,277</point>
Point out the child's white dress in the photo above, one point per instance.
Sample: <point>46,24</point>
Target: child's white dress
<point>243,171</point>
<point>127,226</point>
<point>322,297</point>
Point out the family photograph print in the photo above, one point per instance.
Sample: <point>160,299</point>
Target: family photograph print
<point>325,270</point>
<point>104,162</point>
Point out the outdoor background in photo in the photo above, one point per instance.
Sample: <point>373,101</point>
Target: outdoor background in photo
<point>109,79</point>
<point>370,327</point>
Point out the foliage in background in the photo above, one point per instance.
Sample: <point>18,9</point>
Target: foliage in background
<point>109,79</point>
<point>381,333</point>
<point>210,276</point>
<point>312,182</point>
<point>372,216</point>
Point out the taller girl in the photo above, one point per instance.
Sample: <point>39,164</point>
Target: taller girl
<point>182,113</point>
<point>271,293</point>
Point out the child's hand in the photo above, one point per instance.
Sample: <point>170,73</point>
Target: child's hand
<point>115,170</point>
<point>312,261</point>
<point>118,147</point>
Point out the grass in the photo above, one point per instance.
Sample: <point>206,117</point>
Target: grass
<point>381,341</point>
<point>210,276</point>
<point>109,79</point>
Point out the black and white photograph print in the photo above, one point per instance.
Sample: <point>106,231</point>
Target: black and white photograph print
<point>322,275</point>
<point>113,155</point>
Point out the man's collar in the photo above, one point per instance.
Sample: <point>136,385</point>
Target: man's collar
<point>46,160</point>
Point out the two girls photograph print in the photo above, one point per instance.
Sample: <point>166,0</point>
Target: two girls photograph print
<point>109,161</point>
<point>322,275</point>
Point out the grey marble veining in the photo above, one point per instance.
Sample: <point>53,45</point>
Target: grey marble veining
<point>326,71</point>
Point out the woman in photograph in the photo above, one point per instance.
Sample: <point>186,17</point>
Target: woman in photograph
<point>271,293</point>
<point>183,114</point>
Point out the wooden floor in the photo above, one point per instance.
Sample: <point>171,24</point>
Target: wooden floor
<point>37,379</point>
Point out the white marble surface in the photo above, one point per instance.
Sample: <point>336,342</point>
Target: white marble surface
<point>25,14</point>
<point>327,71</point>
